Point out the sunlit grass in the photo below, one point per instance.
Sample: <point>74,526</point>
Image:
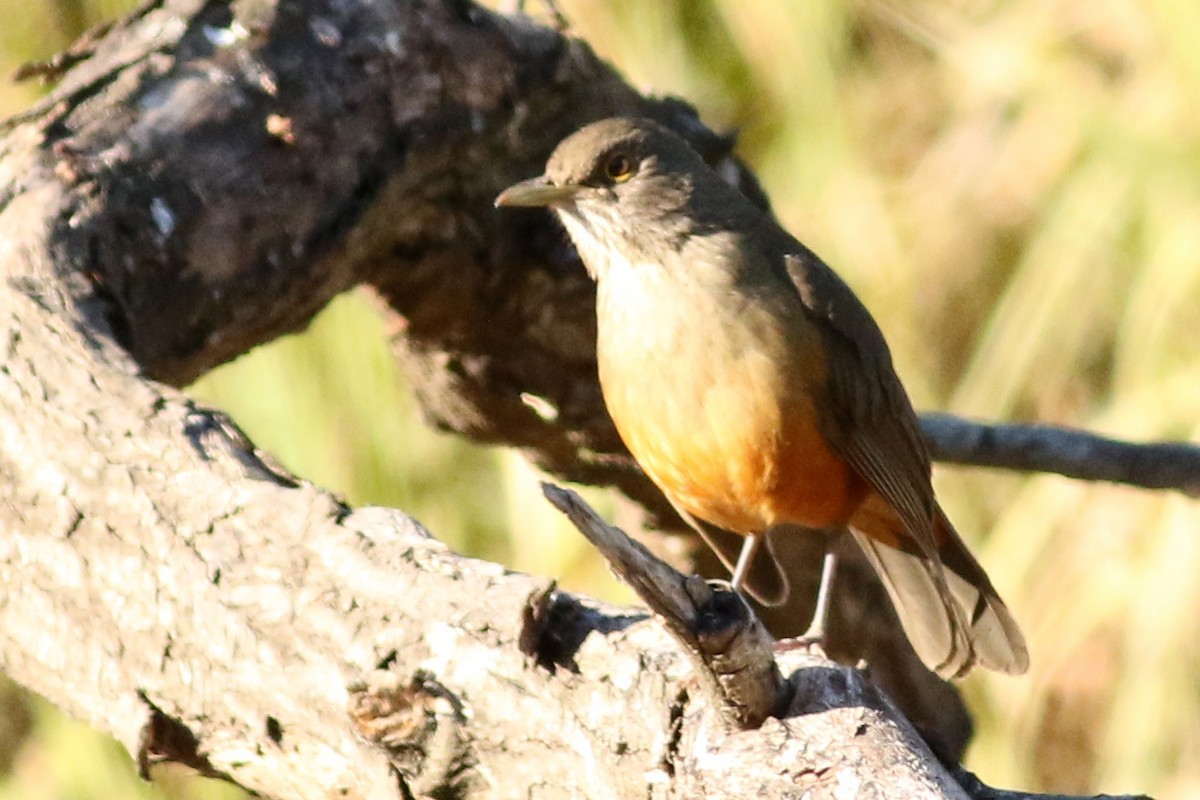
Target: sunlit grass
<point>1014,190</point>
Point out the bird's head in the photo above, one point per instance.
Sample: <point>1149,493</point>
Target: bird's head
<point>626,184</point>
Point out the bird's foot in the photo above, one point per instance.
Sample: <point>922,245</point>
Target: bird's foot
<point>811,642</point>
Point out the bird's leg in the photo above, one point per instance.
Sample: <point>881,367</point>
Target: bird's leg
<point>518,7</point>
<point>816,628</point>
<point>814,636</point>
<point>745,559</point>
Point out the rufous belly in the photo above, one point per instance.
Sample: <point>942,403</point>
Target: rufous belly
<point>736,462</point>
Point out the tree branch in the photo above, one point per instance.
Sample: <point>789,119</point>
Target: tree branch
<point>160,578</point>
<point>1073,453</point>
<point>729,646</point>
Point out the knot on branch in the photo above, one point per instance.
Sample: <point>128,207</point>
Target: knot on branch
<point>420,724</point>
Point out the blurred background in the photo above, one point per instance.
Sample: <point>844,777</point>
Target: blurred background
<point>1012,187</point>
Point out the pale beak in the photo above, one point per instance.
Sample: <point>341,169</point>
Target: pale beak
<point>537,193</point>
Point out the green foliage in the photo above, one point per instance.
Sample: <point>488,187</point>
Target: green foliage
<point>1013,189</point>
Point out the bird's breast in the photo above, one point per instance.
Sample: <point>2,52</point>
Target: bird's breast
<point>717,392</point>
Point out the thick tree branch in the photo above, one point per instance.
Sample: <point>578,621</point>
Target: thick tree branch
<point>166,584</point>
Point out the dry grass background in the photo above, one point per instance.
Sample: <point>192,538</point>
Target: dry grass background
<point>1014,190</point>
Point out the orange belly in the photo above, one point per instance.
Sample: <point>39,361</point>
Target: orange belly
<point>742,462</point>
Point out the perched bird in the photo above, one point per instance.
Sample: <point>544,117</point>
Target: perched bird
<point>756,390</point>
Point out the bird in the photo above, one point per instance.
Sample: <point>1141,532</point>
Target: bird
<point>755,389</point>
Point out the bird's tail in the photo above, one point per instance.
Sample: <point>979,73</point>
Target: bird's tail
<point>949,609</point>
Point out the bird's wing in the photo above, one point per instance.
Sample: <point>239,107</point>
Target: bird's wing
<point>869,420</point>
<point>871,424</point>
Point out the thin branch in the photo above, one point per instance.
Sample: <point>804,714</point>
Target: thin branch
<point>981,791</point>
<point>1065,451</point>
<point>728,644</point>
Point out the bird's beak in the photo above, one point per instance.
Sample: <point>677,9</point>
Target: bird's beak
<point>536,193</point>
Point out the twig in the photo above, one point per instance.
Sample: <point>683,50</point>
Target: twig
<point>981,791</point>
<point>715,626</point>
<point>1065,451</point>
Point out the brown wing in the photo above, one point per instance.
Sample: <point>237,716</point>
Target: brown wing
<point>952,615</point>
<point>870,421</point>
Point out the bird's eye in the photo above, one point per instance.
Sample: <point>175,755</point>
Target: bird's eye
<point>619,168</point>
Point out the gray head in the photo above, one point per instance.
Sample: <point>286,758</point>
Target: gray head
<point>632,185</point>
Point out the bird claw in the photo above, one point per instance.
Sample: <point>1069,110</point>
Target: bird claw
<point>811,643</point>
